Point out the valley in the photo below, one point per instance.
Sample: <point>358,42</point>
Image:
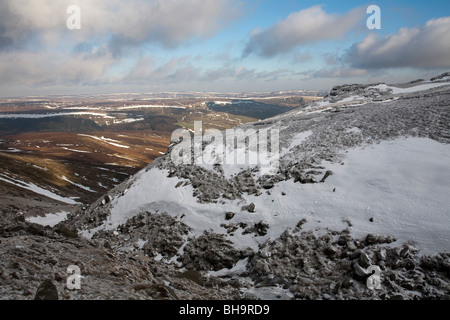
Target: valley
<point>79,147</point>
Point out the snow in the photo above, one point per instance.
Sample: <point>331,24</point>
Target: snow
<point>150,106</point>
<point>12,150</point>
<point>128,120</point>
<point>34,188</point>
<point>78,185</point>
<point>74,150</point>
<point>239,268</point>
<point>353,130</point>
<point>140,243</point>
<point>51,219</point>
<point>296,141</point>
<point>106,140</point>
<point>51,115</point>
<point>222,102</point>
<point>422,87</point>
<point>401,184</point>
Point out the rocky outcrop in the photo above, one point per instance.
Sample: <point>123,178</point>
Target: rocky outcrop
<point>321,267</point>
<point>210,251</point>
<point>35,266</point>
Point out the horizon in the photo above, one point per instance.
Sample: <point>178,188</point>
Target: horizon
<point>47,48</point>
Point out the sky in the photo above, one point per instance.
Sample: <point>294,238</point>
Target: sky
<point>114,46</point>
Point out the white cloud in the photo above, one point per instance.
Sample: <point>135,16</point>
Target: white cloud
<point>343,72</point>
<point>49,68</point>
<point>300,28</point>
<point>427,46</point>
<point>126,23</point>
<point>36,47</point>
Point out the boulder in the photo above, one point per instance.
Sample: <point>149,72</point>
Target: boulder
<point>46,291</point>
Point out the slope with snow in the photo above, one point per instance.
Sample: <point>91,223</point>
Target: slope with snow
<point>389,164</point>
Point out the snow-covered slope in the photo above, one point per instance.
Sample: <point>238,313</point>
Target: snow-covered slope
<point>390,163</point>
<point>403,185</point>
<point>354,166</point>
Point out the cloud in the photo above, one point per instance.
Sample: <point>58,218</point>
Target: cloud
<point>169,23</point>
<point>427,46</point>
<point>300,28</point>
<point>343,72</point>
<point>36,47</point>
<point>50,68</point>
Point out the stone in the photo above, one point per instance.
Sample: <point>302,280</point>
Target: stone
<point>65,231</point>
<point>193,275</point>
<point>381,255</point>
<point>229,215</point>
<point>250,208</point>
<point>268,185</point>
<point>261,228</point>
<point>107,199</point>
<point>355,254</point>
<point>330,251</point>
<point>46,291</point>
<point>360,271</point>
<point>36,229</point>
<point>409,264</point>
<point>397,296</point>
<point>379,238</point>
<point>364,259</point>
<point>210,251</point>
<point>326,175</point>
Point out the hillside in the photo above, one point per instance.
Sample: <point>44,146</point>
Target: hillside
<point>360,181</point>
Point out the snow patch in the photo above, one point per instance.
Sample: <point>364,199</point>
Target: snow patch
<point>51,219</point>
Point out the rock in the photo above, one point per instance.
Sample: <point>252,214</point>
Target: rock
<point>162,292</point>
<point>229,215</point>
<point>107,199</point>
<point>441,76</point>
<point>261,228</point>
<point>404,252</point>
<point>249,208</point>
<point>268,185</point>
<point>107,245</point>
<point>210,251</point>
<point>397,296</point>
<point>264,254</point>
<point>179,184</point>
<point>330,251</point>
<point>355,254</point>
<point>65,231</point>
<point>409,264</point>
<point>407,285</point>
<point>327,174</point>
<point>381,255</point>
<point>36,229</point>
<point>429,263</point>
<point>347,282</point>
<point>360,271</point>
<point>193,275</point>
<point>364,259</point>
<point>379,238</point>
<point>46,291</point>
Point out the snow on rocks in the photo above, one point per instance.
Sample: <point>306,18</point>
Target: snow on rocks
<point>372,171</point>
